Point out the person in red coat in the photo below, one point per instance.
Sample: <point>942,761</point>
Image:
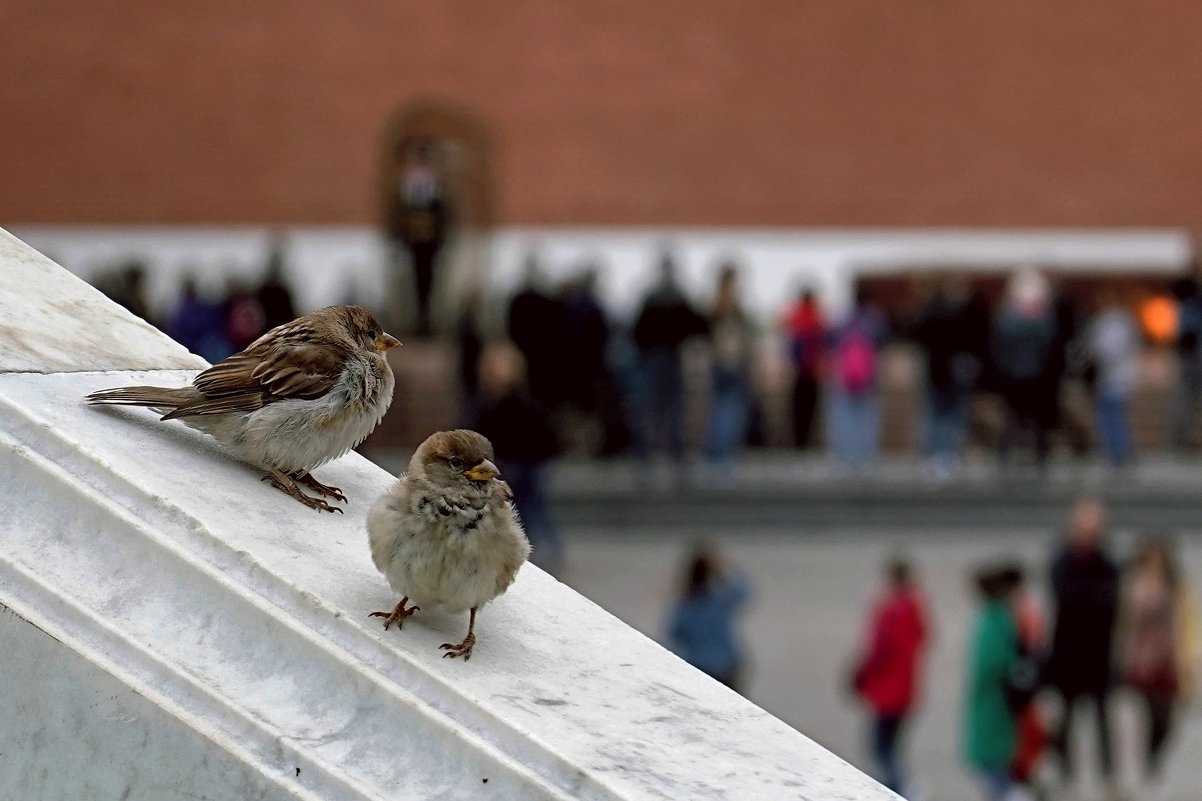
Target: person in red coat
<point>888,676</point>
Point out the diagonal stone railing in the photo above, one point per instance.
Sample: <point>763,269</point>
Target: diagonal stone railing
<point>175,629</point>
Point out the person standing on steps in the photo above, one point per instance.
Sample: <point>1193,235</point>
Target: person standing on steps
<point>419,221</point>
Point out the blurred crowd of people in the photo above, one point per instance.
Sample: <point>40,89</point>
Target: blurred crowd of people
<point>1133,629</point>
<point>613,388</point>
<point>213,326</point>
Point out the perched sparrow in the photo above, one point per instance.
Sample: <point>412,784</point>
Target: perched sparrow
<point>446,533</point>
<point>302,394</point>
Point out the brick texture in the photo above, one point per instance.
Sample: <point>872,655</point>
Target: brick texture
<point>787,112</point>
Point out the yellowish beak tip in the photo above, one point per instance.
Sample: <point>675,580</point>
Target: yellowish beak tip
<point>483,472</point>
<point>387,342</point>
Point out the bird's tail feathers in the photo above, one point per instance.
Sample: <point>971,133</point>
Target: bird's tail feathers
<point>157,397</point>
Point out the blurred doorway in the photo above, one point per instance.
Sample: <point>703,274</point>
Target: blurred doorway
<point>438,205</point>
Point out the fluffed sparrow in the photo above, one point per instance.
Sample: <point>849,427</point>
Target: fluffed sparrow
<point>446,533</point>
<point>300,395</point>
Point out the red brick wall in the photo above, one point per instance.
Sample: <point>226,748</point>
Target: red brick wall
<point>925,112</point>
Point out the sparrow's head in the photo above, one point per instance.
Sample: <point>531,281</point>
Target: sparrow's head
<point>364,330</point>
<point>456,458</point>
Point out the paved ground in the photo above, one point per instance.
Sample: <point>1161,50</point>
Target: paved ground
<point>803,629</point>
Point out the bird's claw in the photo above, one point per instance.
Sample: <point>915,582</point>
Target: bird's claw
<point>463,649</point>
<point>397,615</point>
<point>291,486</point>
<point>317,503</point>
<point>320,505</point>
<point>322,489</point>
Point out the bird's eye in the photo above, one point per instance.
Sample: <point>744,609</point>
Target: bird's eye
<point>456,462</point>
<point>373,335</point>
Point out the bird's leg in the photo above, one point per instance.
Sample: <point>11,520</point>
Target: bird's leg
<point>397,615</point>
<point>464,648</point>
<point>307,479</point>
<point>286,484</point>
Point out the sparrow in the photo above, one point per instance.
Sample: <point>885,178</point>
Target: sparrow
<point>447,534</point>
<point>304,393</point>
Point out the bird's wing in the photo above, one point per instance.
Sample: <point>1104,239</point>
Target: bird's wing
<point>266,372</point>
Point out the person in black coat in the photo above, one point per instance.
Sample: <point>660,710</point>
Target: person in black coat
<point>274,294</point>
<point>524,441</point>
<point>536,325</point>
<point>1085,588</point>
<point>944,332</point>
<point>1023,342</point>
<point>665,322</point>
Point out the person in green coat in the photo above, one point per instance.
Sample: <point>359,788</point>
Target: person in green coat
<point>990,732</point>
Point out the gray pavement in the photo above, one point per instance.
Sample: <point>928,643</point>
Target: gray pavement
<point>803,629</point>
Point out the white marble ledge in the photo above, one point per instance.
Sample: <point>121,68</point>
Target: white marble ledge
<point>246,613</point>
<point>51,321</point>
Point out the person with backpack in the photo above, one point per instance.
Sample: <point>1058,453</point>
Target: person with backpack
<point>853,408</point>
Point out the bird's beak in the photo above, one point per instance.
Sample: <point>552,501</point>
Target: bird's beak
<point>387,342</point>
<point>483,472</point>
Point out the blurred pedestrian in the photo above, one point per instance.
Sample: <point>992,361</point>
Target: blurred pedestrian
<point>274,294</point>
<point>127,287</point>
<point>469,344</point>
<point>199,324</point>
<point>990,726</point>
<point>1031,730</point>
<point>535,324</point>
<point>1158,648</point>
<point>701,626</point>
<point>590,393</point>
<point>944,333</point>
<point>805,330</point>
<point>1022,346</point>
<point>1078,668</point>
<point>586,337</point>
<point>888,676</point>
<point>524,442</point>
<point>1073,412</point>
<point>1113,344</point>
<point>419,221</point>
<point>853,408</point>
<point>665,322</point>
<point>1189,362</point>
<point>732,340</point>
<point>244,320</point>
